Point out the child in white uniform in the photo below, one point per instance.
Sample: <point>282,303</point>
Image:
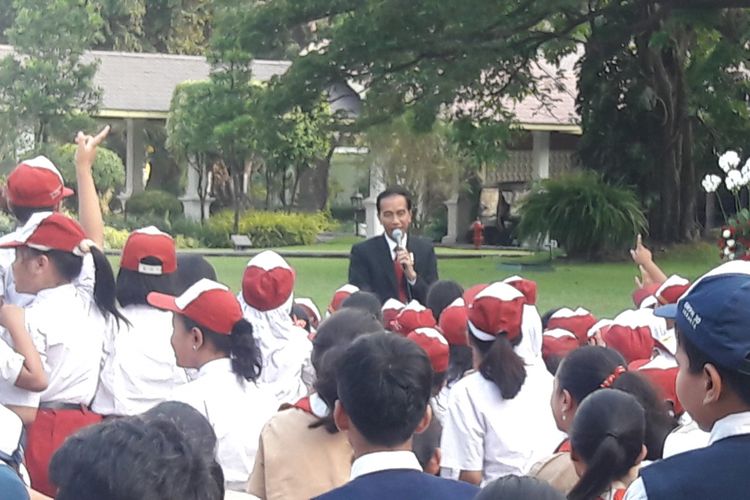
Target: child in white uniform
<point>211,336</point>
<point>498,421</point>
<point>139,368</point>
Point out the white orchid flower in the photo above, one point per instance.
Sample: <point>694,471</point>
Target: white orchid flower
<point>729,161</point>
<point>711,183</point>
<point>733,180</point>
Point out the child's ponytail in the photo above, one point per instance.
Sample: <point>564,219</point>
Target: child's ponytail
<point>501,365</point>
<point>244,351</point>
<point>104,286</point>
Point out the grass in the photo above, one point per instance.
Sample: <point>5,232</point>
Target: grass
<point>603,288</point>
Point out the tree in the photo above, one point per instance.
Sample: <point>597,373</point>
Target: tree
<point>467,60</point>
<point>46,82</point>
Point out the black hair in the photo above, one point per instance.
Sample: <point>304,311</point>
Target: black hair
<point>659,421</point>
<point>738,382</point>
<point>461,361</point>
<point>384,385</point>
<point>584,369</point>
<point>364,300</point>
<point>299,313</point>
<point>552,363</point>
<point>393,191</point>
<point>501,364</point>
<point>519,488</point>
<point>441,294</point>
<point>132,287</point>
<point>191,268</point>
<point>546,317</point>
<point>334,335</point>
<point>23,214</point>
<point>607,435</point>
<point>425,443</point>
<point>69,266</point>
<point>239,345</point>
<point>125,459</point>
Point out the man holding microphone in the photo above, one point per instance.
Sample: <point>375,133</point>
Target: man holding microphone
<point>395,265</point>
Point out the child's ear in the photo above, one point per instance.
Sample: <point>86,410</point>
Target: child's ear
<point>197,335</point>
<point>568,404</point>
<point>642,455</point>
<point>713,384</point>
<point>340,418</point>
<point>425,422</point>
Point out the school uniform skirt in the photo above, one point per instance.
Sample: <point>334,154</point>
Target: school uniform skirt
<point>53,424</point>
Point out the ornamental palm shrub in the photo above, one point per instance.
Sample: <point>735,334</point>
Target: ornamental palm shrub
<point>587,216</point>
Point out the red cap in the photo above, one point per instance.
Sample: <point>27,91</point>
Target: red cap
<point>495,310</point>
<point>600,327</point>
<point>662,373</point>
<point>630,334</point>
<point>268,281</point>
<point>390,310</point>
<point>671,290</point>
<point>558,342</point>
<point>526,287</point>
<point>413,316</point>
<point>49,231</point>
<point>641,294</point>
<point>149,242</point>
<point>578,322</point>
<point>36,183</point>
<point>340,295</point>
<point>473,292</point>
<point>454,323</point>
<point>208,303</point>
<point>435,345</point>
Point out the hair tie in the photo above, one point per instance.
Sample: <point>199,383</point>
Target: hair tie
<point>612,377</point>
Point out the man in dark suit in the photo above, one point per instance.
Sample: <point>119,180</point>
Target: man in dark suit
<point>389,268</point>
<point>384,388</point>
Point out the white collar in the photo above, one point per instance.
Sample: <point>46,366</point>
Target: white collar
<point>318,407</point>
<point>392,244</point>
<point>215,366</point>
<point>55,291</point>
<point>384,460</point>
<point>729,426</point>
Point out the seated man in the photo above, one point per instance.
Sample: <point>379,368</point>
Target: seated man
<point>385,383</point>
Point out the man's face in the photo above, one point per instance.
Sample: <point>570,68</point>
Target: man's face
<point>394,214</point>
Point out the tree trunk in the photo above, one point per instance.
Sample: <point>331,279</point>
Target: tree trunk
<point>313,184</point>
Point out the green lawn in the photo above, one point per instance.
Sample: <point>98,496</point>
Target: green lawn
<point>604,288</point>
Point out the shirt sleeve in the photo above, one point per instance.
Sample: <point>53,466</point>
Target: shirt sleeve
<point>462,443</point>
<point>11,363</point>
<point>85,280</point>
<point>636,491</point>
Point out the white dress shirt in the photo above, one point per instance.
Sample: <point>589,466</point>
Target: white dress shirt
<point>237,411</point>
<point>732,425</point>
<point>140,369</point>
<point>484,432</point>
<point>382,461</point>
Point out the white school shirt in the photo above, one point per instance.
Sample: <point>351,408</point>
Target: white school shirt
<point>139,369</point>
<point>688,436</point>
<point>237,411</point>
<point>735,424</point>
<point>484,432</point>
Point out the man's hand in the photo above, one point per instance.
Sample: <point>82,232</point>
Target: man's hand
<point>406,260</point>
<point>87,144</point>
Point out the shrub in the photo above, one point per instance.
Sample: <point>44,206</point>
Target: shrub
<point>269,229</point>
<point>587,216</point>
<point>114,239</point>
<point>154,202</point>
<point>108,172</point>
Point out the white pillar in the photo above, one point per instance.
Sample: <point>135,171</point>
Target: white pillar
<point>191,201</point>
<point>540,154</point>
<point>135,156</point>
<point>377,184</point>
<point>452,206</point>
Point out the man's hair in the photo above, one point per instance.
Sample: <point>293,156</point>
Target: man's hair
<point>739,383</point>
<point>384,385</point>
<point>394,191</point>
<point>127,459</point>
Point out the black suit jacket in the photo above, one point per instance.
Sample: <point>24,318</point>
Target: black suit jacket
<point>400,484</point>
<point>371,267</point>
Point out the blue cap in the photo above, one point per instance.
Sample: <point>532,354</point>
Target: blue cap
<point>715,316</point>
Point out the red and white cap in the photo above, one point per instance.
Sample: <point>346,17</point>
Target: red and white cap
<point>661,371</point>
<point>454,321</point>
<point>645,297</point>
<point>208,303</point>
<point>340,295</point>
<point>435,345</point>
<point>671,290</point>
<point>496,310</point>
<point>149,242</point>
<point>412,317</point>
<point>558,342</point>
<point>472,292</point>
<point>577,321</point>
<point>36,183</point>
<point>46,231</point>
<point>600,327</point>
<point>526,287</point>
<point>268,281</point>
<point>311,309</point>
<point>630,335</point>
<point>390,310</point>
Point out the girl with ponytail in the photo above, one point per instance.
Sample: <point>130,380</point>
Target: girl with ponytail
<point>607,441</point>
<point>211,336</point>
<point>498,421</point>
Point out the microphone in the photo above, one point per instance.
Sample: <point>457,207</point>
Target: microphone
<point>398,236</point>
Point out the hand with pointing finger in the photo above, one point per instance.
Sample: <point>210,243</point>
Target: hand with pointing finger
<point>640,254</point>
<point>87,144</point>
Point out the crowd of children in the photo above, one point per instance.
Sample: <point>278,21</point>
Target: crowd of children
<point>163,384</point>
